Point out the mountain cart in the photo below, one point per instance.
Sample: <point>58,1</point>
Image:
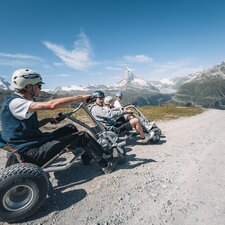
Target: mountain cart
<point>148,126</point>
<point>25,186</point>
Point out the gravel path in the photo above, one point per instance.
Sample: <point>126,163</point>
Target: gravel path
<point>180,181</point>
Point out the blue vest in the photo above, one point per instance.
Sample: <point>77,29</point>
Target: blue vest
<point>21,134</point>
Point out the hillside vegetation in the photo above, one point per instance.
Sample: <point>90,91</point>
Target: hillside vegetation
<point>207,93</point>
<point>165,112</point>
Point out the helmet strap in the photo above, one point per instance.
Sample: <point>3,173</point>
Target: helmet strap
<point>30,91</point>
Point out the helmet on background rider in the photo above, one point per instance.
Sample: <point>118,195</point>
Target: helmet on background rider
<point>22,77</point>
<point>97,94</point>
<point>119,94</point>
<point>108,100</point>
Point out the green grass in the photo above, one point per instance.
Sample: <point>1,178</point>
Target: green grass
<point>156,113</point>
<point>168,112</point>
<point>51,113</point>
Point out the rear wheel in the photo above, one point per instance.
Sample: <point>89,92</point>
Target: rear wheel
<point>23,189</point>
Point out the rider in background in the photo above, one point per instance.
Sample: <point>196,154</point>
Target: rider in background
<point>108,102</point>
<point>113,118</point>
<point>117,104</point>
<point>20,125</point>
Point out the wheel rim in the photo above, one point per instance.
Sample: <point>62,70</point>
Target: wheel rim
<point>18,198</point>
<point>156,137</point>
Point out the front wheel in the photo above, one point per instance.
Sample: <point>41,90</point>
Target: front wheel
<point>120,154</point>
<point>156,138</point>
<point>23,189</point>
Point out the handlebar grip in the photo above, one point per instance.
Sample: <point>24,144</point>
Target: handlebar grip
<point>90,99</point>
<point>59,118</point>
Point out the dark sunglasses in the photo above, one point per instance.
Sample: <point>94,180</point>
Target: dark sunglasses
<point>101,98</point>
<point>39,86</point>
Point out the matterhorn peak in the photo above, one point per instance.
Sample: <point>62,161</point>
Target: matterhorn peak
<point>128,75</point>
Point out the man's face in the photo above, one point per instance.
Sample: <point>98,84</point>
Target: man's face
<point>37,89</point>
<point>100,101</point>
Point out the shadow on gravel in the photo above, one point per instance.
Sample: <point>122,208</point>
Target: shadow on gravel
<point>151,144</point>
<point>59,201</point>
<point>132,161</point>
<point>64,195</point>
<point>135,141</point>
<point>77,175</point>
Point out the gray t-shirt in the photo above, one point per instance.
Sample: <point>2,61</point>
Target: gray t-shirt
<point>104,115</point>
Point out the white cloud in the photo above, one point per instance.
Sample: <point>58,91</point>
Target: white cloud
<point>19,56</point>
<point>113,68</point>
<point>58,64</point>
<point>173,69</point>
<point>78,58</point>
<point>18,59</point>
<point>138,58</point>
<point>10,63</point>
<point>62,75</point>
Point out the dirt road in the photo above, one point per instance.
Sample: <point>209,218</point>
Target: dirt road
<point>180,181</point>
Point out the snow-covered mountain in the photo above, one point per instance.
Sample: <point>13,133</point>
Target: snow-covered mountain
<point>129,82</point>
<point>207,88</point>
<point>215,73</point>
<point>172,85</point>
<point>4,84</point>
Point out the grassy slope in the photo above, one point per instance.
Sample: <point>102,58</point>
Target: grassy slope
<point>168,112</point>
<point>151,112</point>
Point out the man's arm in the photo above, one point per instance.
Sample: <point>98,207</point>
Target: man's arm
<point>56,103</point>
<point>107,113</point>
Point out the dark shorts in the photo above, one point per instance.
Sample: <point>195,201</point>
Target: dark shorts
<point>120,122</point>
<point>65,137</point>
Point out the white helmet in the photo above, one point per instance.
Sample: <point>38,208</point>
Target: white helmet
<point>108,100</point>
<point>22,77</point>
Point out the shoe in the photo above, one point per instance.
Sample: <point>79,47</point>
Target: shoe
<point>147,137</point>
<point>111,163</point>
<point>86,158</point>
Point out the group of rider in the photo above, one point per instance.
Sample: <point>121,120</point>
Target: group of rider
<point>21,128</point>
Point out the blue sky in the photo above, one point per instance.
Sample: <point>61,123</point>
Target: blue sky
<point>92,41</point>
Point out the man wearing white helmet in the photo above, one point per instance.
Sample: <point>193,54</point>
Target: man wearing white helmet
<point>108,102</point>
<point>20,125</point>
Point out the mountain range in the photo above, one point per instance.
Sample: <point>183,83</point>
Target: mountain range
<point>129,82</point>
<point>205,88</point>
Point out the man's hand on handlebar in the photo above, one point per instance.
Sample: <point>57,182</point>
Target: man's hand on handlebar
<point>57,119</point>
<point>129,112</point>
<point>85,98</point>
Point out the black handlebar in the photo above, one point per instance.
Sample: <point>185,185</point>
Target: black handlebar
<point>59,118</point>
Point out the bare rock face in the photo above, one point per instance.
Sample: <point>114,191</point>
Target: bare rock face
<point>128,75</point>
